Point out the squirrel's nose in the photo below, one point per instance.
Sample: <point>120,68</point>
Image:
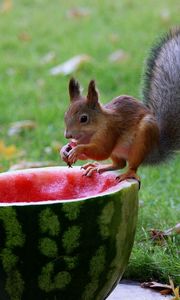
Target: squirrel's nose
<point>67,134</point>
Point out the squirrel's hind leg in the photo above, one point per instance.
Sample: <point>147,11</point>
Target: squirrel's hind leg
<point>130,174</point>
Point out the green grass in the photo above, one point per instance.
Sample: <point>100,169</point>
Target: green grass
<point>28,91</point>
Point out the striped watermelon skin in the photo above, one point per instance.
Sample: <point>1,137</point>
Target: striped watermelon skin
<point>69,251</point>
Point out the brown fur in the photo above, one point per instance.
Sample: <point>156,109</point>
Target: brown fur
<point>124,129</point>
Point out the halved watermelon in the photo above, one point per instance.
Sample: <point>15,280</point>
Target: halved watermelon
<point>62,235</point>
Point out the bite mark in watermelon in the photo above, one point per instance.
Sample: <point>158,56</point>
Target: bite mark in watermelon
<point>64,236</point>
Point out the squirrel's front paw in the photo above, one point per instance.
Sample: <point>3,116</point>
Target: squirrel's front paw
<point>64,153</point>
<point>73,155</point>
<point>91,168</point>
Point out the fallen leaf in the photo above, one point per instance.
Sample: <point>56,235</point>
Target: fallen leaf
<point>79,12</point>
<point>114,38</point>
<point>40,82</point>
<point>28,165</point>
<point>175,290</point>
<point>165,15</point>
<point>176,294</point>
<point>20,126</point>
<point>7,152</point>
<point>118,56</point>
<point>6,6</point>
<point>155,285</point>
<point>164,289</point>
<point>160,236</point>
<point>166,292</point>
<point>47,58</point>
<point>157,235</point>
<point>175,229</point>
<point>25,37</point>
<point>71,65</point>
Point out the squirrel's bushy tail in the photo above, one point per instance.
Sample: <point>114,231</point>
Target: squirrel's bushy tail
<point>161,92</point>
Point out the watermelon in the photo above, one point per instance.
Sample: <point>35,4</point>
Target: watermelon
<point>63,235</point>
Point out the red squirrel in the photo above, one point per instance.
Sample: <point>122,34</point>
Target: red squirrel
<point>125,129</point>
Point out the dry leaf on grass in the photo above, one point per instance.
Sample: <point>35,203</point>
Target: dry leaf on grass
<point>28,165</point>
<point>173,230</point>
<point>160,236</point>
<point>114,38</point>
<point>175,290</point>
<point>78,12</point>
<point>118,56</point>
<point>164,289</point>
<point>155,285</point>
<point>6,6</point>
<point>7,152</point>
<point>47,58</point>
<point>165,15</point>
<point>20,126</point>
<point>40,82</point>
<point>24,36</point>
<point>71,65</point>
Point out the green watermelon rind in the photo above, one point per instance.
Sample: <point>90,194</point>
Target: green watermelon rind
<point>71,250</point>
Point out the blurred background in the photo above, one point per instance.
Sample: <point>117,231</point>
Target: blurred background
<point>42,44</point>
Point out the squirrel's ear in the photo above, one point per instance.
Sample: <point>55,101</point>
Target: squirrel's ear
<point>74,89</point>
<point>92,96</point>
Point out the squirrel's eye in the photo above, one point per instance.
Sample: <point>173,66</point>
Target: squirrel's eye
<point>83,118</point>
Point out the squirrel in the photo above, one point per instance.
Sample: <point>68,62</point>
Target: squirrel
<point>125,129</point>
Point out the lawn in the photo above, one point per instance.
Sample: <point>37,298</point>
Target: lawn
<point>38,35</point>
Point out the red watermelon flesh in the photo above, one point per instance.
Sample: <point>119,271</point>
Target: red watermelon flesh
<point>56,183</point>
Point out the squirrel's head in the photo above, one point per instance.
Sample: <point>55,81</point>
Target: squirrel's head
<point>81,117</point>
